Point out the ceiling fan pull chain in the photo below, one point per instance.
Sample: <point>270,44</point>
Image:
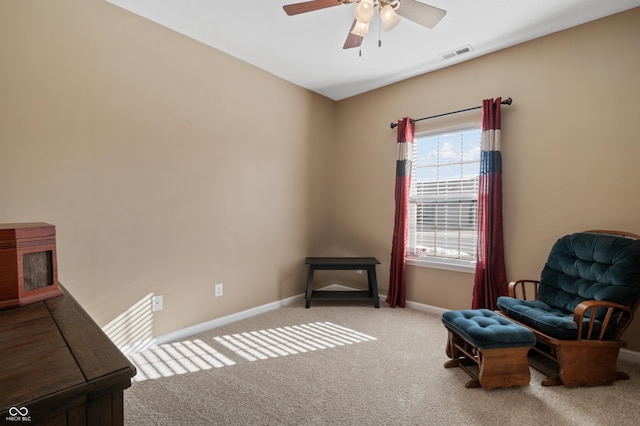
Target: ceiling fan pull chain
<point>379,31</point>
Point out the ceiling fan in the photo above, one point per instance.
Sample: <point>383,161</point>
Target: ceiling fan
<point>390,12</point>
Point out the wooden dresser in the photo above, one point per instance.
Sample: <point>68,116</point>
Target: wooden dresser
<point>57,367</point>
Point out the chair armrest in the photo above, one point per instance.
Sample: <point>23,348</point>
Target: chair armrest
<point>519,287</point>
<point>620,315</point>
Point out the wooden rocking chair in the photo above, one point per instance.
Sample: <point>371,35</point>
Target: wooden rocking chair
<point>585,299</point>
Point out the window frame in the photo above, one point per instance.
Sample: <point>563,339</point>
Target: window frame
<point>432,261</point>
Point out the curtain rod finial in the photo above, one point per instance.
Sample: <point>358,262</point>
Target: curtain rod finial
<point>507,101</point>
<point>394,125</point>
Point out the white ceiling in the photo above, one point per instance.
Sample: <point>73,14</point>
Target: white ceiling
<point>307,49</point>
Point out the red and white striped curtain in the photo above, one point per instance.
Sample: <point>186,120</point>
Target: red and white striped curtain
<point>396,295</point>
<point>490,278</point>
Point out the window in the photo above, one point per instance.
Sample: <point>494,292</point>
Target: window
<point>444,197</point>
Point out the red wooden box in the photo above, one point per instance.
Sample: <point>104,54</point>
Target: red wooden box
<point>28,264</point>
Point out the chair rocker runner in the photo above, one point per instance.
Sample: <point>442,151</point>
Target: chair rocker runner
<point>586,298</point>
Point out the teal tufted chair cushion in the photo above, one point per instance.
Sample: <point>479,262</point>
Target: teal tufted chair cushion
<point>581,266</point>
<point>586,266</point>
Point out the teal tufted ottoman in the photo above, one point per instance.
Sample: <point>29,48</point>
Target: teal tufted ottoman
<point>498,347</point>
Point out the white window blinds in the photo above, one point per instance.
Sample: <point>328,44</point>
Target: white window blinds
<point>444,195</point>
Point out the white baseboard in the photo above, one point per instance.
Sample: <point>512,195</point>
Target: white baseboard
<point>631,356</point>
<point>208,325</point>
<point>625,354</point>
<point>337,287</point>
<point>425,308</point>
<point>218,322</point>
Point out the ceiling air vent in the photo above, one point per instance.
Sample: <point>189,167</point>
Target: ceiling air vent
<point>457,52</point>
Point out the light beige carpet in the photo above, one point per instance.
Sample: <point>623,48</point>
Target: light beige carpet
<point>346,363</point>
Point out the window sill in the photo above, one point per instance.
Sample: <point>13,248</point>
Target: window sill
<point>469,268</point>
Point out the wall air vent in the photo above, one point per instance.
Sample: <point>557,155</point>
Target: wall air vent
<point>457,52</point>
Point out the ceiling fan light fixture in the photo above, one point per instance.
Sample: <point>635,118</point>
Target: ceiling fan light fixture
<point>364,11</point>
<point>389,18</point>
<point>360,29</point>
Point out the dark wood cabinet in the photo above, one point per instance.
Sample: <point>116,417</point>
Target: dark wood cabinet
<point>57,367</point>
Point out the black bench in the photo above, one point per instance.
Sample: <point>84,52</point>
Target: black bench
<point>340,264</point>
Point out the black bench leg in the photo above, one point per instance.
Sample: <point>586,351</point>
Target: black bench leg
<point>309,288</point>
<point>373,285</point>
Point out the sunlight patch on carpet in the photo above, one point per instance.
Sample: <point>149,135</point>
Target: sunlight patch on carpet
<point>195,355</point>
<point>283,341</point>
<point>177,358</point>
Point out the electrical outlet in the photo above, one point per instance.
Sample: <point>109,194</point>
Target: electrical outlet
<point>359,271</point>
<point>218,289</point>
<point>157,304</point>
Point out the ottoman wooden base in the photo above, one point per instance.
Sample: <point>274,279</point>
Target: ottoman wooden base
<point>491,349</point>
<point>496,368</point>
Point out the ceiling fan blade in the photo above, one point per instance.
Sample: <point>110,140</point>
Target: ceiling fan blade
<point>420,13</point>
<point>309,6</point>
<point>352,39</point>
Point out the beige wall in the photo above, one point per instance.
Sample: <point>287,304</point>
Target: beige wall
<point>152,154</point>
<point>570,149</point>
<point>166,166</point>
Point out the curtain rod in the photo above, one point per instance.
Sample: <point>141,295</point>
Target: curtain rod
<point>505,102</point>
